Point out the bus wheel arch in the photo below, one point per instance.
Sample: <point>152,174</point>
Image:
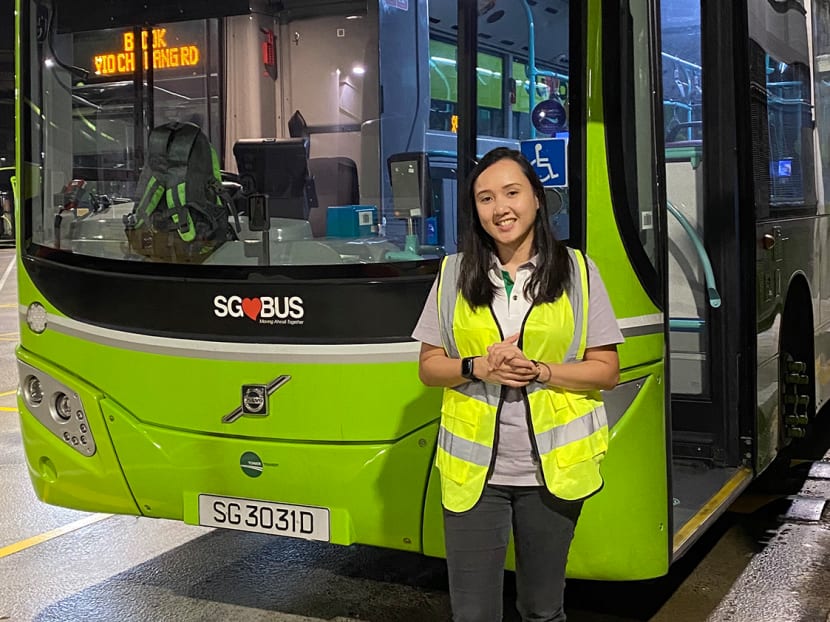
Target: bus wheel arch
<point>796,367</point>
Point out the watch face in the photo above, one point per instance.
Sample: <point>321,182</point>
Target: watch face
<point>467,367</point>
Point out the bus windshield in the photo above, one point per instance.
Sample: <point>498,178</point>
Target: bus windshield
<point>237,138</point>
<point>314,133</point>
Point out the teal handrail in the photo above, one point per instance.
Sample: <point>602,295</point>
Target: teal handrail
<point>682,62</point>
<point>692,325</point>
<point>711,287</point>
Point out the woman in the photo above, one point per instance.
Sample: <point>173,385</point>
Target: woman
<point>521,348</point>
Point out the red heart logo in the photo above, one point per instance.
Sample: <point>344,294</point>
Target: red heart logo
<point>251,307</point>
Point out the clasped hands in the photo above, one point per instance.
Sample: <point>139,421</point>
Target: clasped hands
<point>506,364</point>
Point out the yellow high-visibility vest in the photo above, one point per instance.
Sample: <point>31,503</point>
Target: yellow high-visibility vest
<point>569,429</point>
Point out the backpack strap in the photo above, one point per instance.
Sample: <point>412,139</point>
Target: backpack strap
<point>178,155</point>
<point>222,195</point>
<point>224,198</point>
<point>157,157</point>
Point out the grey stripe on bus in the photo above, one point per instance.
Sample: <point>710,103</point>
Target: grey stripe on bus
<point>575,297</point>
<point>637,331</point>
<point>640,320</point>
<point>396,352</point>
<point>575,430</point>
<point>463,449</point>
<point>619,399</point>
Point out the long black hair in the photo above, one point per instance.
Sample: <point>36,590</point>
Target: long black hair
<point>552,275</point>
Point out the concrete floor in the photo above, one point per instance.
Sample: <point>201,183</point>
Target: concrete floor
<point>766,561</point>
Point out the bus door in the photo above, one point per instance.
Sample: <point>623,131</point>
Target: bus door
<point>708,275</point>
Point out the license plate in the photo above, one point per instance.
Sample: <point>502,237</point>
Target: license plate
<point>296,521</point>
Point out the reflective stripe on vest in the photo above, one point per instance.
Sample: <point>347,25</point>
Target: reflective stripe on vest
<point>569,428</point>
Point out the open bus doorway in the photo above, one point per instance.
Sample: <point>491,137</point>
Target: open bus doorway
<point>740,174</point>
<point>704,300</point>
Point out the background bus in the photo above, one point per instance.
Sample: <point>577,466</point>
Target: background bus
<point>7,131</point>
<point>267,382</point>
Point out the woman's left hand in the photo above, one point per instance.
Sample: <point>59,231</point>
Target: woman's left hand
<point>506,356</point>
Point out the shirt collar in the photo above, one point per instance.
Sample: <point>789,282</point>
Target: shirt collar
<point>497,266</point>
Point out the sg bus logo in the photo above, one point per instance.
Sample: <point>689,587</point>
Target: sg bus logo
<point>264,309</point>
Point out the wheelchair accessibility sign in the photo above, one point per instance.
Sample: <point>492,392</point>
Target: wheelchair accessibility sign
<point>548,158</point>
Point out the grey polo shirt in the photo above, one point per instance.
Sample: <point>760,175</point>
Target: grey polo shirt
<point>516,464</point>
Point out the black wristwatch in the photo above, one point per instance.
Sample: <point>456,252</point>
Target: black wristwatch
<point>467,368</point>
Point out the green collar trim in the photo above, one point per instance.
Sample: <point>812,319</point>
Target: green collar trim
<point>508,282</point>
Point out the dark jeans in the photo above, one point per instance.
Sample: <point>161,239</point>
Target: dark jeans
<point>476,542</point>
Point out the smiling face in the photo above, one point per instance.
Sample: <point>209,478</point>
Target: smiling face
<point>507,208</point>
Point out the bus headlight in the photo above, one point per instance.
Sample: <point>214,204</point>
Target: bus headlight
<point>63,406</point>
<point>57,407</point>
<point>33,391</point>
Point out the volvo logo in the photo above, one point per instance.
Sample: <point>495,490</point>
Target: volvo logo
<point>255,399</point>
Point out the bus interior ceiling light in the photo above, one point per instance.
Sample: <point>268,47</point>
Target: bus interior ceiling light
<point>494,17</point>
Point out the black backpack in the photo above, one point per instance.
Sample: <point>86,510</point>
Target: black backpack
<point>181,211</point>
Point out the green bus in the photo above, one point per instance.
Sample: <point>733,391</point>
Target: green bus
<point>255,371</point>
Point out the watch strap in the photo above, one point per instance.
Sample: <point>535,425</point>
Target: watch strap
<point>467,368</point>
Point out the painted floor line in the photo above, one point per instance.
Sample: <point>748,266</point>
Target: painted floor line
<point>8,409</point>
<point>50,535</point>
<point>5,393</point>
<point>5,276</point>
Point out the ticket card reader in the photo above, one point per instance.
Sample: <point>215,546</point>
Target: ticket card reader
<point>409,176</point>
<point>411,198</point>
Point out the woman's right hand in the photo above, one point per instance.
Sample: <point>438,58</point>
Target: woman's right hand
<point>505,364</point>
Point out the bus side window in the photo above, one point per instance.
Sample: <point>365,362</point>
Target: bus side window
<point>782,128</point>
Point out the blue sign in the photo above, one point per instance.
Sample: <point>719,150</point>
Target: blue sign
<point>548,156</point>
